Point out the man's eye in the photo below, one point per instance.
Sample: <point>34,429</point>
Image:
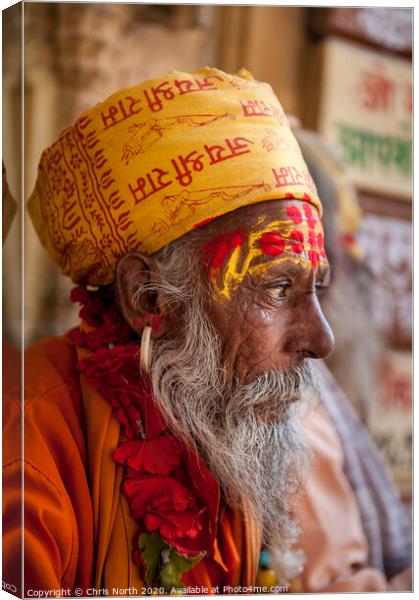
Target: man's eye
<point>279,289</point>
<point>321,287</point>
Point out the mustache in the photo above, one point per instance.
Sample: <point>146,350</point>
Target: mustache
<point>275,391</point>
<point>287,381</point>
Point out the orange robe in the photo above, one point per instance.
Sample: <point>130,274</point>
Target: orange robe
<point>78,530</point>
<point>12,513</point>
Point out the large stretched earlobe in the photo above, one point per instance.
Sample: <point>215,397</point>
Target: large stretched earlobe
<point>133,272</point>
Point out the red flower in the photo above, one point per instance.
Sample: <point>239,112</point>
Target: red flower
<point>77,337</point>
<point>79,294</point>
<point>114,372</point>
<point>157,455</point>
<point>168,507</point>
<point>178,529</point>
<point>148,493</point>
<point>93,307</point>
<point>163,504</point>
<point>100,312</point>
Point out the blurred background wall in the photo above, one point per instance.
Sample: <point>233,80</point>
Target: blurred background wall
<point>343,72</point>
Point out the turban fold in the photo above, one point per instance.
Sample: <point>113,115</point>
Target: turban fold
<point>156,160</point>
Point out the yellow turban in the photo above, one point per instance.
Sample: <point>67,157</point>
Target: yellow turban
<point>159,159</point>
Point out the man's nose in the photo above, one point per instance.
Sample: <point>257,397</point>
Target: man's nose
<point>313,337</point>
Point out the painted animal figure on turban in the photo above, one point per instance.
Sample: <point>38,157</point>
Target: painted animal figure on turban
<point>162,434</point>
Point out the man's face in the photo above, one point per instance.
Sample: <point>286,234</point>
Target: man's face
<point>237,314</point>
<point>265,266</point>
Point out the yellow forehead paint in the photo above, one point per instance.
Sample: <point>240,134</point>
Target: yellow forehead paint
<point>300,237</point>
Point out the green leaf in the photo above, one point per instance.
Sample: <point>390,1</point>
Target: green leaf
<point>151,546</point>
<point>171,573</point>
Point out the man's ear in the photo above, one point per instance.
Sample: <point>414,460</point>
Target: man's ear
<point>133,270</point>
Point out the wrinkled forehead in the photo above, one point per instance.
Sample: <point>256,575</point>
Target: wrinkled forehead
<point>293,212</point>
<point>256,239</point>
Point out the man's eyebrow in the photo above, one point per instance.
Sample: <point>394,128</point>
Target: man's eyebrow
<point>287,267</point>
<point>293,269</point>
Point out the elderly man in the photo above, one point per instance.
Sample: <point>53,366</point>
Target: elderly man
<point>161,436</point>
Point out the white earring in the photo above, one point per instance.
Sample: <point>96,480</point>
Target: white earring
<point>146,349</point>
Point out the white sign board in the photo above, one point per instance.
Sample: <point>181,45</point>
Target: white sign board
<point>390,420</point>
<point>387,243</point>
<point>366,113</point>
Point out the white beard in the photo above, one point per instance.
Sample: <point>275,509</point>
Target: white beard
<point>257,459</point>
<point>252,456</point>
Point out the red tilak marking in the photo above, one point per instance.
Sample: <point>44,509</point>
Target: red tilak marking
<point>294,214</point>
<point>237,239</point>
<point>313,256</point>
<point>298,244</point>
<point>311,219</point>
<point>320,244</point>
<point>312,240</point>
<point>272,243</point>
<point>218,251</point>
<point>221,255</point>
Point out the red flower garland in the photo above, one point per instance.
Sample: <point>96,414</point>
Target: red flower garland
<point>159,471</point>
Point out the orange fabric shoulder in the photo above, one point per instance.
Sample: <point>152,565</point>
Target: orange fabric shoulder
<point>57,506</point>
